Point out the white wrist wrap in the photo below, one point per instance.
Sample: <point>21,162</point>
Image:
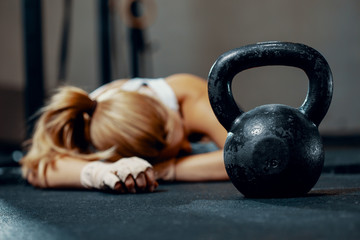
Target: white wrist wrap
<point>103,175</point>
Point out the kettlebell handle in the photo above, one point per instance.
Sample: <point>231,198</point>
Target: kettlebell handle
<point>298,55</point>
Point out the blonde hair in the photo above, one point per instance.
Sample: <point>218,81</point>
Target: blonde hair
<point>123,124</point>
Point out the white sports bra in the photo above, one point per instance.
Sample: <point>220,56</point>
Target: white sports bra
<point>156,87</point>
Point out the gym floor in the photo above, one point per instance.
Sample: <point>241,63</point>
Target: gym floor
<point>186,211</point>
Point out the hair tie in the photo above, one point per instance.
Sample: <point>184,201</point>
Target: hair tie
<point>92,108</point>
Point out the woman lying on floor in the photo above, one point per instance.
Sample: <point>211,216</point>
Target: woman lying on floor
<point>125,136</point>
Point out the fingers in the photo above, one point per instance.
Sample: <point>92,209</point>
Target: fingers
<point>34,180</point>
<point>133,166</point>
<point>130,184</point>
<point>31,178</point>
<point>144,182</point>
<point>150,179</point>
<point>110,180</point>
<point>141,182</point>
<point>119,187</point>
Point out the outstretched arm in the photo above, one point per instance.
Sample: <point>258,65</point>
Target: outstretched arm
<point>68,172</point>
<point>201,167</point>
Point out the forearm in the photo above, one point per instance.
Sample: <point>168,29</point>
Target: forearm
<point>65,173</point>
<point>201,167</point>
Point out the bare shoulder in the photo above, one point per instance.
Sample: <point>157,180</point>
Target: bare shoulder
<point>187,86</point>
<point>195,107</point>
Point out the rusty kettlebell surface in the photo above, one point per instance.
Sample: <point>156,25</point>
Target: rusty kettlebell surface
<point>272,150</point>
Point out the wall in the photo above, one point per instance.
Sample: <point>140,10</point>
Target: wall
<point>188,36</point>
<point>192,34</point>
<point>12,123</point>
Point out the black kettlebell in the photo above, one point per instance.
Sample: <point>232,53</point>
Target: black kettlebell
<point>273,150</point>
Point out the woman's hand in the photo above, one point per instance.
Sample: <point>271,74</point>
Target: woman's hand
<point>165,171</point>
<point>126,175</point>
<point>32,178</point>
<point>144,182</point>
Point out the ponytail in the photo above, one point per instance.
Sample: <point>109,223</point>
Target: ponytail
<point>63,129</point>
